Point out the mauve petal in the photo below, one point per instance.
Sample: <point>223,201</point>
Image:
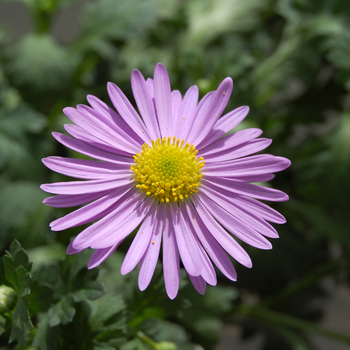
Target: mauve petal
<point>230,141</point>
<point>127,112</point>
<point>94,126</point>
<point>253,165</point>
<point>141,241</point>
<point>209,243</point>
<point>89,186</point>
<point>127,138</point>
<point>224,125</point>
<point>66,201</point>
<point>202,107</point>
<point>144,103</point>
<point>113,232</point>
<point>198,283</point>
<point>85,169</point>
<point>150,258</point>
<point>70,250</point>
<point>187,113</point>
<point>176,100</point>
<point>150,88</point>
<point>208,272</point>
<point>84,148</point>
<point>260,209</point>
<point>125,206</point>
<point>207,269</point>
<point>223,237</point>
<point>162,97</point>
<point>90,212</point>
<point>249,190</point>
<point>100,255</point>
<point>233,225</point>
<point>171,263</point>
<point>242,150</point>
<point>116,120</point>
<point>204,123</point>
<point>253,178</point>
<point>249,219</point>
<point>80,134</point>
<point>186,242</point>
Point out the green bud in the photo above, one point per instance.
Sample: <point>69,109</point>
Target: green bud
<point>166,345</point>
<point>8,299</point>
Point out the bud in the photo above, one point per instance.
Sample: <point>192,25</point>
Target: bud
<point>8,299</point>
<point>166,345</point>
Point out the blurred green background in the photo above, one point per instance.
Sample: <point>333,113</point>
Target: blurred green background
<point>290,61</point>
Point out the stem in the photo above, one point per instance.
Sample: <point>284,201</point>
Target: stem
<point>306,281</point>
<point>145,338</point>
<point>281,319</point>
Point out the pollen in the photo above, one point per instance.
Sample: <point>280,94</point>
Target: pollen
<point>169,171</point>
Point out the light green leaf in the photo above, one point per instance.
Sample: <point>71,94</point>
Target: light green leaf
<point>39,63</point>
<point>115,19</point>
<point>209,18</point>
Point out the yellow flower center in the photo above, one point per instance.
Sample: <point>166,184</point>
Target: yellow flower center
<point>168,171</point>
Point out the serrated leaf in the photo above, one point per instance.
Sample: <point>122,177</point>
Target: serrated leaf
<point>22,324</point>
<point>17,269</point>
<point>2,325</point>
<point>61,313</point>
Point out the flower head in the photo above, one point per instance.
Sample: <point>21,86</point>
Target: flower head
<point>173,175</point>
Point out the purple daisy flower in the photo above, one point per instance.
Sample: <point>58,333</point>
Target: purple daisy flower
<point>173,175</point>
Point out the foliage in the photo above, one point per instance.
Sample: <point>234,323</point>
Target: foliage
<point>290,61</point>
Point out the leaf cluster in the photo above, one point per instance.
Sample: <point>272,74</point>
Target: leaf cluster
<point>290,61</point>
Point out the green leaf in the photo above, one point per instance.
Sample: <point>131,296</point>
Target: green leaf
<point>89,290</point>
<point>21,120</point>
<point>17,270</point>
<point>135,344</point>
<point>38,65</point>
<point>2,325</point>
<point>210,18</point>
<point>102,311</point>
<point>46,337</point>
<point>61,313</point>
<point>115,19</point>
<point>22,325</point>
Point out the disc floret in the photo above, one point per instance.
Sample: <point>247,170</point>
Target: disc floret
<point>169,170</point>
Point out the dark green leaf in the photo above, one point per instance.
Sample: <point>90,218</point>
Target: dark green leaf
<point>22,324</point>
<point>46,337</point>
<point>2,325</point>
<point>61,313</point>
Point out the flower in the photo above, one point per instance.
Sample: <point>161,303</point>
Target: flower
<point>174,174</point>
